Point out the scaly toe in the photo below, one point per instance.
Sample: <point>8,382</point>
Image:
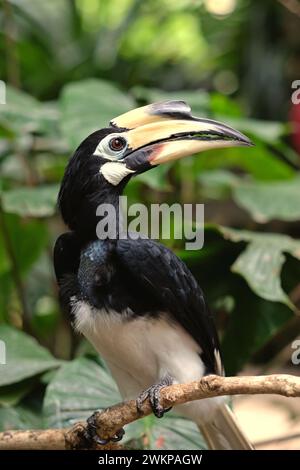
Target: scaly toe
<point>91,432</point>
<point>153,393</point>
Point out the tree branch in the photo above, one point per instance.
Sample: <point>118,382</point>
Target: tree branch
<point>110,420</point>
<point>292,6</point>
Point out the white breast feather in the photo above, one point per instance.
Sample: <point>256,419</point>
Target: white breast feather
<point>140,351</point>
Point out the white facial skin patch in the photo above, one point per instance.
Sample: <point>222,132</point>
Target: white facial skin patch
<point>114,172</point>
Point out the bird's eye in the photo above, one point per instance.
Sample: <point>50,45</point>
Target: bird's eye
<point>112,147</point>
<point>117,143</point>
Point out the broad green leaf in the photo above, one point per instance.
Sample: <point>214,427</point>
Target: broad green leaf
<point>48,20</point>
<point>258,161</point>
<point>11,395</point>
<point>31,202</point>
<point>23,114</point>
<point>176,433</point>
<point>264,200</point>
<point>156,179</point>
<point>83,386</point>
<point>19,417</point>
<point>27,238</point>
<point>12,169</point>
<point>251,325</point>
<point>269,132</point>
<point>218,184</point>
<point>24,356</point>
<point>222,105</point>
<point>284,242</point>
<point>273,200</point>
<point>251,321</point>
<point>51,167</point>
<point>260,264</point>
<point>170,433</point>
<point>79,388</point>
<point>89,105</point>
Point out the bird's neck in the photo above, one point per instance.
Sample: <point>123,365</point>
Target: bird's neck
<point>99,216</point>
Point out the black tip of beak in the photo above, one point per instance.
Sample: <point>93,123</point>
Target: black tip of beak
<point>227,132</point>
<point>247,142</point>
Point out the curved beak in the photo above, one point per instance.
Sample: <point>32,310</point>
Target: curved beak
<point>166,131</point>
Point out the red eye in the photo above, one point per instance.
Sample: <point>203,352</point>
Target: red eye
<point>117,143</point>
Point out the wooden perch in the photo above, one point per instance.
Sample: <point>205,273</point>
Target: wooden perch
<point>112,419</point>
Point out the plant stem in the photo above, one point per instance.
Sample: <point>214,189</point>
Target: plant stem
<point>14,266</point>
<point>12,63</point>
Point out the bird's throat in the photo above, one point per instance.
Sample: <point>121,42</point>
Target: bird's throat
<point>99,216</point>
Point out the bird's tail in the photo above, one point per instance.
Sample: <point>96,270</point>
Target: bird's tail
<point>224,433</point>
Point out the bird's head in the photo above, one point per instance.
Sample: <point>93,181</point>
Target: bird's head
<point>134,143</point>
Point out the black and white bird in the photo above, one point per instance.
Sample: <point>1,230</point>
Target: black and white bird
<point>134,299</point>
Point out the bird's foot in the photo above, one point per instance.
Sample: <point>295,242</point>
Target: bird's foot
<point>92,436</point>
<point>153,393</point>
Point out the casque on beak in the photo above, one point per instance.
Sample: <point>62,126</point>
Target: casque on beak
<point>166,131</point>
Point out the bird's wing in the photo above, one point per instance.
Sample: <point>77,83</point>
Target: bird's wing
<point>66,255</point>
<point>159,273</point>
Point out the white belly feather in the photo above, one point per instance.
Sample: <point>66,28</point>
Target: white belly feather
<point>140,351</point>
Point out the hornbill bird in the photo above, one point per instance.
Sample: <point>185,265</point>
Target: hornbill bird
<point>132,298</point>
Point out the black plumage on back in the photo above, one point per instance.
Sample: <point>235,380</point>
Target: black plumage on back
<point>142,278</point>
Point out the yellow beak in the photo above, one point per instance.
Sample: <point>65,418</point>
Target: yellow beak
<point>166,131</point>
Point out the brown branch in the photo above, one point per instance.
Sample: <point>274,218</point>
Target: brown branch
<point>112,419</point>
<point>277,440</point>
<point>292,6</point>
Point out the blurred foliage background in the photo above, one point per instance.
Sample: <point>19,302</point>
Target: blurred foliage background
<point>72,65</point>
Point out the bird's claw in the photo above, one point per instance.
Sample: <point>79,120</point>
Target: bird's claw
<point>118,436</point>
<point>153,393</point>
<point>92,436</point>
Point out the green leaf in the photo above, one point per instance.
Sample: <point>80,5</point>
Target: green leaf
<point>11,395</point>
<point>24,356</point>
<point>176,433</point>
<point>89,105</point>
<point>264,200</point>
<point>269,132</point>
<point>251,325</point>
<point>31,202</point>
<point>260,264</point>
<point>156,178</point>
<point>250,320</point>
<point>258,161</point>
<point>22,113</point>
<point>273,200</point>
<point>28,239</point>
<point>170,433</point>
<point>79,388</point>
<point>218,184</point>
<point>83,386</point>
<point>19,417</point>
<point>222,105</point>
